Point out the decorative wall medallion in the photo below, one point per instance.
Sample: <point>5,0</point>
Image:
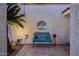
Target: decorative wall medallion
<point>41,25</point>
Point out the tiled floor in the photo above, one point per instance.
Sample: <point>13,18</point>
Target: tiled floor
<point>19,47</point>
<point>43,50</point>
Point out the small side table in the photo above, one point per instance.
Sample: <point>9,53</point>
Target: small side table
<point>54,36</point>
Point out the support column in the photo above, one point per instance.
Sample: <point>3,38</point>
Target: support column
<point>74,30</point>
<point>3,32</point>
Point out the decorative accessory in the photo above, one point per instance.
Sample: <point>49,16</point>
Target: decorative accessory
<point>41,25</point>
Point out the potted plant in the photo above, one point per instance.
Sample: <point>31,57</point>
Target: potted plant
<point>13,18</point>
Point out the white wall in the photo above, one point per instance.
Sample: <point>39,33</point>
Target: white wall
<point>51,14</point>
<point>10,36</point>
<point>3,31</point>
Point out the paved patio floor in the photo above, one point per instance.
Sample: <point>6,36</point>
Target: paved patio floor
<point>43,50</point>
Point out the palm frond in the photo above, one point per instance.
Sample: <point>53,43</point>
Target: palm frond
<point>13,16</point>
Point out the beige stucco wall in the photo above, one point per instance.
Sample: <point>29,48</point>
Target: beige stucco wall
<point>51,14</point>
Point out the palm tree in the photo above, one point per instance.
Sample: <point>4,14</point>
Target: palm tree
<point>13,18</point>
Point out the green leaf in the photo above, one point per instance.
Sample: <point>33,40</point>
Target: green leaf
<point>13,16</point>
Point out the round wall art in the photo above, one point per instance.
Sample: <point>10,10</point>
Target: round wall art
<point>41,25</point>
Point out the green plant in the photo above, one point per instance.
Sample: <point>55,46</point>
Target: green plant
<point>13,18</point>
<point>13,15</point>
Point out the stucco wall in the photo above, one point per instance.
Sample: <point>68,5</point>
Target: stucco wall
<point>3,34</point>
<point>51,14</point>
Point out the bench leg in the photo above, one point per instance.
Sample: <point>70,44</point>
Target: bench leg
<point>50,43</point>
<point>33,44</point>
